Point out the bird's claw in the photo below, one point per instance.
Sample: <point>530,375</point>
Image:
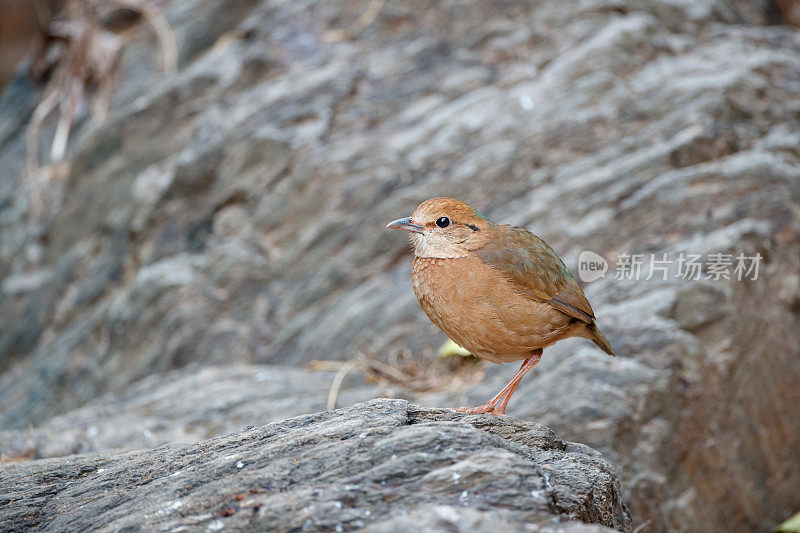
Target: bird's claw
<point>485,409</point>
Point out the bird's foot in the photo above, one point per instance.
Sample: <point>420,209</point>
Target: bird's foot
<point>485,409</point>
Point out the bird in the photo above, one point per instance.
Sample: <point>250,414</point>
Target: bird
<point>497,290</point>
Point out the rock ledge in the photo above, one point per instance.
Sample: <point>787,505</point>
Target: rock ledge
<point>385,464</point>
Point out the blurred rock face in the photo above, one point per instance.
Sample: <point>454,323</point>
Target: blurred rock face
<point>20,29</point>
<point>234,213</point>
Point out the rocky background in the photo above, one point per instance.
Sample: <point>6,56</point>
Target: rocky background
<point>222,227</point>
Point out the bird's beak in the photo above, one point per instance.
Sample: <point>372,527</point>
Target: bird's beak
<point>405,224</point>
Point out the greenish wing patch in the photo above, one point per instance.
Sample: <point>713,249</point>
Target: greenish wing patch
<point>538,272</point>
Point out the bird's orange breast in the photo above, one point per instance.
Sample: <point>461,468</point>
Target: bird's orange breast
<point>482,311</point>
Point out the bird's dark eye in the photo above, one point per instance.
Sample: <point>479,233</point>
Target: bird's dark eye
<point>443,222</point>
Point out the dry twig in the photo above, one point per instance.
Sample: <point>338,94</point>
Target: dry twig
<point>365,19</point>
<point>414,374</point>
<point>84,58</point>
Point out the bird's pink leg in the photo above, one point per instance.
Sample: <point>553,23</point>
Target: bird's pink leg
<point>497,405</point>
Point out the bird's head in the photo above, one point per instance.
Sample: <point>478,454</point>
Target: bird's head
<point>444,228</point>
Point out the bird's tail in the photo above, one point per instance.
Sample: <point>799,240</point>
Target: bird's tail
<point>600,340</point>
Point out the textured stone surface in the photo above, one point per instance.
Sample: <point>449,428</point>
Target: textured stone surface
<point>233,213</point>
<point>185,405</point>
<point>379,464</point>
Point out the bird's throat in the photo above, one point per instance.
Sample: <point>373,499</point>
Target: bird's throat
<point>437,248</point>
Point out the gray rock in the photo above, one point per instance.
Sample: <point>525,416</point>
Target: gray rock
<point>463,519</point>
<point>184,406</point>
<point>378,465</point>
<point>232,213</point>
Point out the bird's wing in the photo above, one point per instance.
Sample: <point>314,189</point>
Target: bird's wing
<point>536,270</point>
